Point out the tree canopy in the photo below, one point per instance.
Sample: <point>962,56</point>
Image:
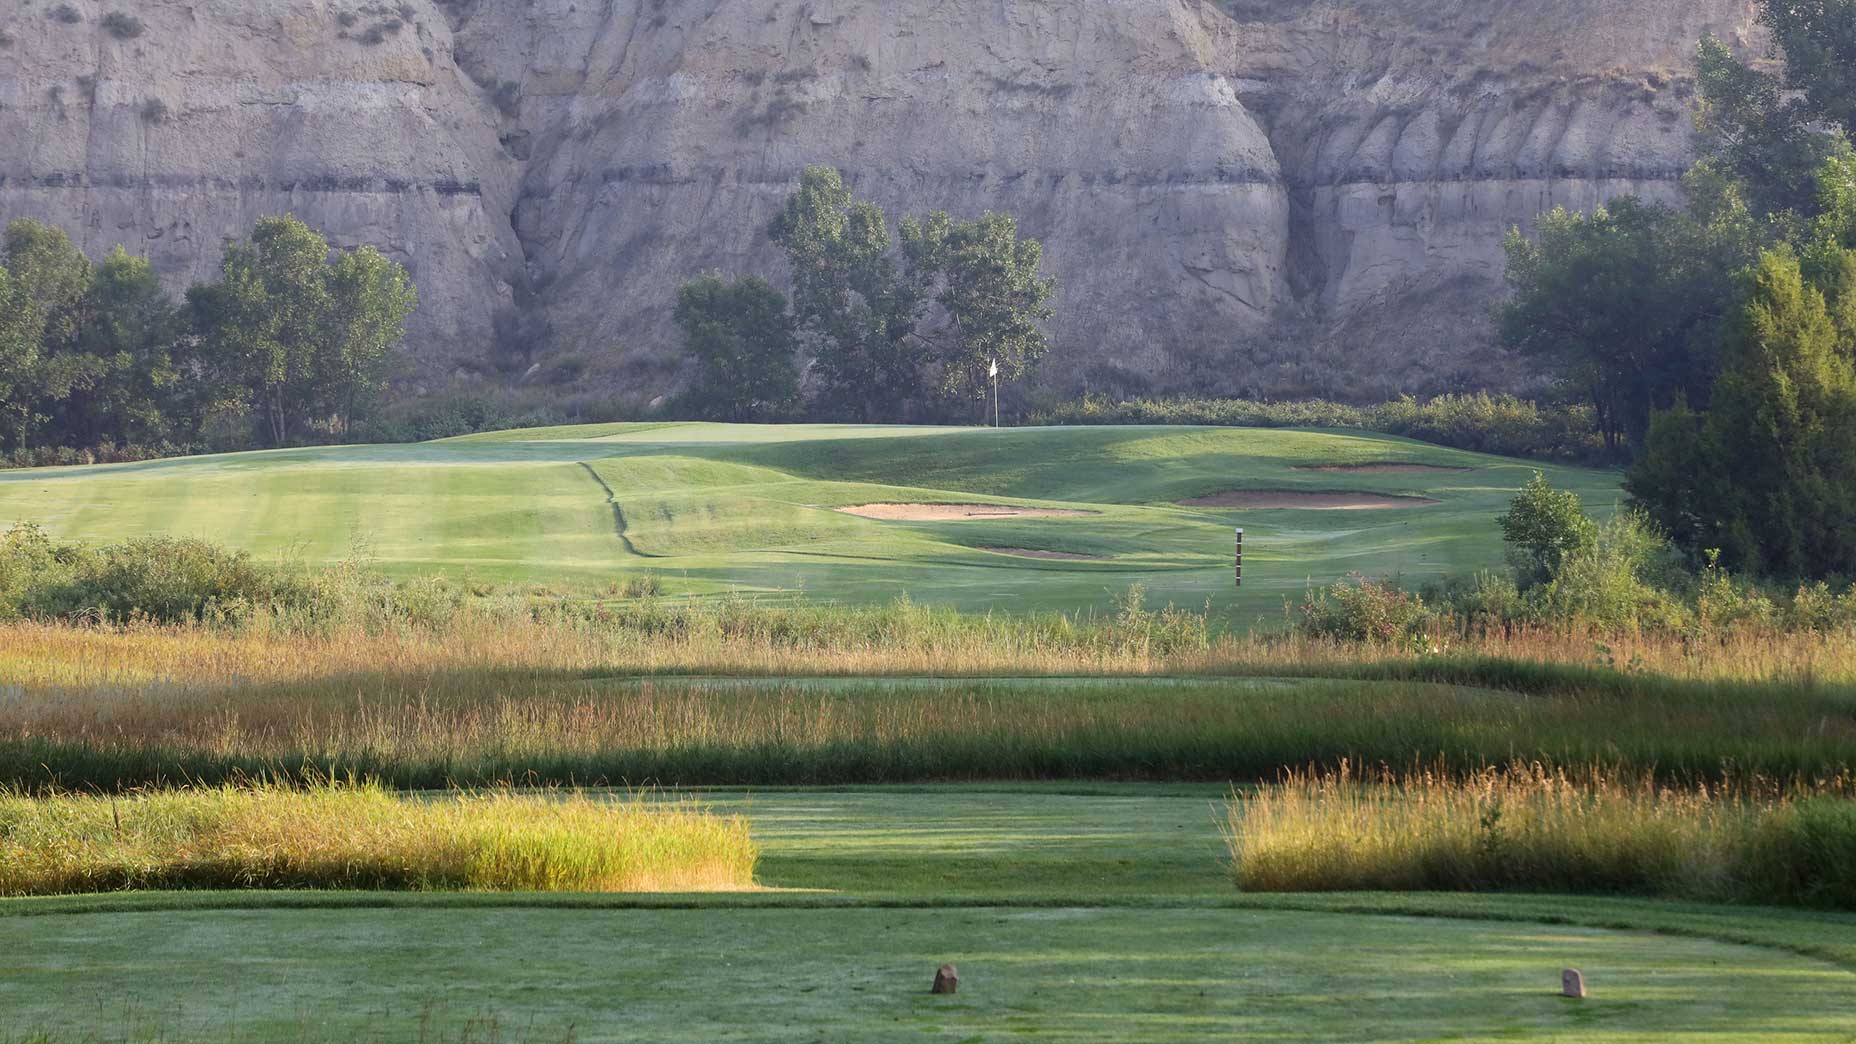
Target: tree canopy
<point>918,317</point>
<point>99,354</point>
<point>742,338</point>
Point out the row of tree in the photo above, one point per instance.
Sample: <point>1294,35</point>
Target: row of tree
<point>881,324</point>
<point>291,340</point>
<point>1716,342</point>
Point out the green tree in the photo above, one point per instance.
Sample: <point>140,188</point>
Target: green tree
<point>369,300</point>
<point>294,335</point>
<point>19,354</point>
<point>1768,477</point>
<point>1818,40</point>
<point>883,318</point>
<point>851,303</point>
<point>744,344</point>
<point>42,314</point>
<point>993,304</point>
<point>1543,527</point>
<point>1768,142</point>
<point>131,333</point>
<point>1626,303</point>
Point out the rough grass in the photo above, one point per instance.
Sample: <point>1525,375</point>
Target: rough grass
<point>1527,828</point>
<point>494,701</point>
<point>362,837</point>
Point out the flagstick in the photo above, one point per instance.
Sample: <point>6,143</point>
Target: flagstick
<point>995,393</point>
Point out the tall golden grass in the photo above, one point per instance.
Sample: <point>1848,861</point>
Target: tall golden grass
<point>347,836</point>
<point>1532,828</point>
<point>565,702</point>
<point>849,642</point>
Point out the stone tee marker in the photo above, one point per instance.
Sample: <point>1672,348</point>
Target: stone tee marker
<point>947,980</point>
<point>1572,984</point>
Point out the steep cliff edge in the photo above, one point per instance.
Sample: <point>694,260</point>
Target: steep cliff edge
<point>1274,195</point>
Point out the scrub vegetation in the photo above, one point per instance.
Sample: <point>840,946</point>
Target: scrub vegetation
<point>362,837</point>
<point>1529,828</point>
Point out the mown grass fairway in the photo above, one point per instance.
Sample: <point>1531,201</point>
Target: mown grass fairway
<point>1097,913</point>
<point>711,508</point>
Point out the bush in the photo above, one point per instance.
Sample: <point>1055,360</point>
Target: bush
<point>1498,424</point>
<point>167,580</point>
<point>1541,527</point>
<point>1362,610</point>
<point>123,26</point>
<point>159,579</point>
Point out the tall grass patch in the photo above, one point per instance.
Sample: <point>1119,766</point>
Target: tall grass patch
<point>1530,828</point>
<point>347,836</point>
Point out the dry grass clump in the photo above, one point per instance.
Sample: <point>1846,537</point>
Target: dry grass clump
<point>1530,828</point>
<point>343,836</point>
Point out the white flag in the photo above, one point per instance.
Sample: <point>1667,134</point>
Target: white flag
<point>995,369</point>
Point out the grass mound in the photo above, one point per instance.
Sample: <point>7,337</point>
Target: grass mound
<point>1295,500</point>
<point>1526,828</point>
<point>362,837</point>
<point>956,512</point>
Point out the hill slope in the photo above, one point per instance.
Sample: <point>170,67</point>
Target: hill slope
<point>1276,196</point>
<point>712,508</point>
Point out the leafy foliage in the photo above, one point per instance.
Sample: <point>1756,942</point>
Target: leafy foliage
<point>1499,424</point>
<point>1768,475</point>
<point>1718,339</point>
<point>299,336</point>
<point>743,341</point>
<point>99,356</point>
<point>1542,527</point>
<point>848,297</point>
<point>1624,303</point>
<point>893,323</point>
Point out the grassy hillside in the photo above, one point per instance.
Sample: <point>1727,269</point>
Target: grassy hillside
<point>710,508</point>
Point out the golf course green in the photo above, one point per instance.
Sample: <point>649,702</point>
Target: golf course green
<point>1074,913</point>
<point>707,509</point>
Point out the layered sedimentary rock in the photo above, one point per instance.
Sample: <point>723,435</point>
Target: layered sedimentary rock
<point>1267,196</point>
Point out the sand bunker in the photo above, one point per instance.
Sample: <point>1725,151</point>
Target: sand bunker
<point>1382,468</point>
<point>956,512</point>
<point>1029,552</point>
<point>1267,500</point>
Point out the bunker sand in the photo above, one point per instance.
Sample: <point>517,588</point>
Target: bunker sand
<point>1268,500</point>
<point>956,512</point>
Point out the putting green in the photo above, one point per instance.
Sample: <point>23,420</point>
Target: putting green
<point>711,508</point>
<point>1093,913</point>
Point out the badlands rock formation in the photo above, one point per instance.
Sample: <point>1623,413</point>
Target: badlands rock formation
<point>1271,196</point>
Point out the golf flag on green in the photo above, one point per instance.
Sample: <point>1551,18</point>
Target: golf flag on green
<point>995,369</point>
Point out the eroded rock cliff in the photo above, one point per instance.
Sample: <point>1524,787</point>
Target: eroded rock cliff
<point>1268,195</point>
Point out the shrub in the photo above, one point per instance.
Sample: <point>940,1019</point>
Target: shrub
<point>1541,527</point>
<point>1363,610</point>
<point>123,26</point>
<point>1605,583</point>
<point>1499,424</point>
<point>67,14</point>
<point>161,579</point>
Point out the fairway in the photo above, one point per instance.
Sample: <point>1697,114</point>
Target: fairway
<point>709,509</point>
<point>1090,913</point>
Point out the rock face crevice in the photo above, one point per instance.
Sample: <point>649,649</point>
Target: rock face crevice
<point>1272,196</point>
